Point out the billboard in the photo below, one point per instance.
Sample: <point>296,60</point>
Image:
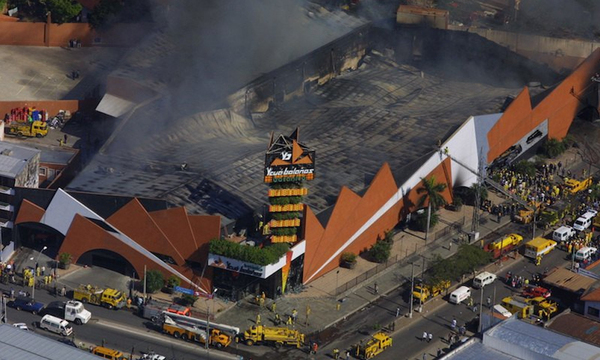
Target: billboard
<point>287,160</point>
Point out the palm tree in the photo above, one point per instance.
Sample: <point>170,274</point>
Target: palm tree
<point>432,194</point>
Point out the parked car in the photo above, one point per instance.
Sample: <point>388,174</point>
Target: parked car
<point>152,356</point>
<point>27,304</point>
<point>536,291</point>
<point>21,326</point>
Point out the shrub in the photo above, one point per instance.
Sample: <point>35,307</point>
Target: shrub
<point>349,257</point>
<point>381,250</point>
<point>457,201</point>
<point>173,281</point>
<point>421,220</point>
<point>155,280</point>
<point>65,258</point>
<point>288,215</point>
<point>187,300</point>
<point>252,254</point>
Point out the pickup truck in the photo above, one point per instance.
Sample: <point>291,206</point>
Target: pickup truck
<point>27,304</point>
<point>70,310</point>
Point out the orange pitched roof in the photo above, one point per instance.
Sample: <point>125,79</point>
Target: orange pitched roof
<point>176,226</point>
<point>134,221</point>
<point>29,212</point>
<point>592,296</point>
<point>205,228</point>
<point>317,251</point>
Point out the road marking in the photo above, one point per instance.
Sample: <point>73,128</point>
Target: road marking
<point>30,80</point>
<point>166,340</point>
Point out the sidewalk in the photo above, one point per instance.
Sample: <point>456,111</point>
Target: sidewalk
<point>327,309</point>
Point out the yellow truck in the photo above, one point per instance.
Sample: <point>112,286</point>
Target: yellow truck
<point>524,216</point>
<point>423,292</point>
<point>110,298</point>
<point>504,245</point>
<point>539,247</point>
<point>189,332</point>
<point>574,186</point>
<point>515,304</point>
<point>21,129</point>
<point>277,336</point>
<point>543,307</point>
<point>376,344</point>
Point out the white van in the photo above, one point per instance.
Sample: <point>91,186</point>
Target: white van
<point>585,253</point>
<point>502,311</point>
<point>459,295</point>
<point>483,279</point>
<point>56,325</point>
<point>563,233</point>
<point>584,221</point>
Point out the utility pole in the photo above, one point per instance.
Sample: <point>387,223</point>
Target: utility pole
<point>412,286</point>
<point>480,306</point>
<point>475,220</point>
<point>144,283</point>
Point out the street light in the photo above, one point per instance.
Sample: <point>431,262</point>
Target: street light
<point>208,318</point>
<point>34,272</point>
<point>412,286</point>
<point>337,274</point>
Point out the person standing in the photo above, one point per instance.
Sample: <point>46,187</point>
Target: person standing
<point>347,355</point>
<point>397,311</point>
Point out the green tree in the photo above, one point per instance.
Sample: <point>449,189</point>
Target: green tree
<point>431,192</point>
<point>525,167</point>
<point>553,148</point>
<point>104,12</point>
<point>469,257</point>
<point>62,10</point>
<point>155,281</point>
<point>441,269</point>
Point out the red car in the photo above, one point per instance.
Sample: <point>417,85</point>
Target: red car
<point>537,291</point>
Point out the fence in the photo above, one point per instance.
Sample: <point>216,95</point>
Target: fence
<point>366,275</point>
<point>452,228</point>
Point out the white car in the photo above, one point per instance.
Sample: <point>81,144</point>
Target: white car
<point>153,356</point>
<point>21,326</point>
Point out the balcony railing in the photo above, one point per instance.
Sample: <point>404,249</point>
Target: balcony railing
<point>285,223</point>
<point>288,192</point>
<point>289,207</point>
<point>284,239</point>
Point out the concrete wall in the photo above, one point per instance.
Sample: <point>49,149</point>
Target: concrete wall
<point>301,75</point>
<point>33,34</point>
<point>557,53</point>
<point>52,106</point>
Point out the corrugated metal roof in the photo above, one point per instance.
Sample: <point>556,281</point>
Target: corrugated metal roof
<point>568,280</point>
<point>477,351</point>
<point>577,326</point>
<point>517,339</point>
<point>14,158</point>
<point>27,345</point>
<point>527,336</point>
